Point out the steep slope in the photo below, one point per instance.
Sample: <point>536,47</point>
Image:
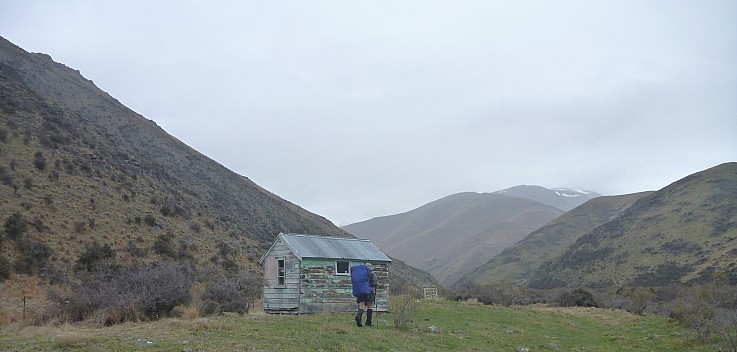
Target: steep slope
<point>80,171</point>
<point>517,262</point>
<point>453,235</point>
<point>685,232</point>
<point>561,198</point>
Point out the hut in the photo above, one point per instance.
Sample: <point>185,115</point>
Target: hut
<point>308,274</point>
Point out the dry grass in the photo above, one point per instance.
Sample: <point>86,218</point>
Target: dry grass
<point>611,317</point>
<point>22,298</point>
<point>186,312</point>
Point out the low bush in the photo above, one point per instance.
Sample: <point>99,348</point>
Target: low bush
<point>39,161</point>
<point>222,295</point>
<point>163,246</point>
<point>403,308</point>
<point>149,220</point>
<point>5,177</point>
<point>15,226</point>
<point>93,254</point>
<point>112,295</point>
<point>236,293</point>
<point>578,298</point>
<point>640,297</point>
<point>725,327</point>
<point>35,256</point>
<point>5,268</point>
<point>498,293</point>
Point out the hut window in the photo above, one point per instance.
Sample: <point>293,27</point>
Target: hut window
<point>280,272</point>
<point>342,267</point>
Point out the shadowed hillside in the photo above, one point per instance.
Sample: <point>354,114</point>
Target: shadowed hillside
<point>454,235</point>
<point>517,262</point>
<point>683,233</point>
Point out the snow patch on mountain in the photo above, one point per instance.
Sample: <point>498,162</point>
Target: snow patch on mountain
<point>571,192</point>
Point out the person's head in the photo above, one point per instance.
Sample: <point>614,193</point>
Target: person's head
<point>369,266</point>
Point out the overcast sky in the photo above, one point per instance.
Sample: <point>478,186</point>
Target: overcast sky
<point>358,109</point>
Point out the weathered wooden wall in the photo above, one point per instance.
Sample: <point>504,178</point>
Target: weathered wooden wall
<point>322,290</point>
<point>286,297</point>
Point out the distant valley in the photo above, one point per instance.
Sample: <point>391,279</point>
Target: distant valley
<point>540,238</point>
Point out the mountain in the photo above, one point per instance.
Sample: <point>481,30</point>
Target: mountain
<point>561,198</point>
<point>683,233</point>
<point>453,235</point>
<point>81,174</point>
<point>518,261</point>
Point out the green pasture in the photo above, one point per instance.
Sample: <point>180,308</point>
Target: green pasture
<point>436,326</point>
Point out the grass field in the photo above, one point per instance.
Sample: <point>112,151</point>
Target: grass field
<point>437,326</point>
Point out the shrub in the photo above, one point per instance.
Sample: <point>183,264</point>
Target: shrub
<point>224,249</point>
<point>640,298</point>
<point>93,254</point>
<point>165,210</point>
<point>112,295</point>
<point>251,283</point>
<point>4,268</point>
<point>39,225</point>
<point>39,161</point>
<point>160,288</point>
<point>496,293</point>
<point>578,298</point>
<point>35,256</point>
<point>163,246</point>
<point>194,226</point>
<point>5,176</point>
<point>693,309</point>
<point>403,309</point>
<point>80,227</point>
<point>134,250</point>
<point>229,265</point>
<point>725,326</point>
<point>15,226</point>
<point>149,220</point>
<point>226,297</point>
<point>236,293</point>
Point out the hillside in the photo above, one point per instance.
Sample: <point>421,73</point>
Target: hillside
<point>517,262</point>
<point>453,235</point>
<point>685,232</point>
<point>80,171</point>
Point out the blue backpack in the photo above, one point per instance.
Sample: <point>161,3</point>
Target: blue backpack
<point>360,279</point>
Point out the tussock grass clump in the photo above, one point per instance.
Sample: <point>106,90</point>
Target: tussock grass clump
<point>186,311</point>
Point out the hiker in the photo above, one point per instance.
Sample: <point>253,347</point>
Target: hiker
<point>364,288</point>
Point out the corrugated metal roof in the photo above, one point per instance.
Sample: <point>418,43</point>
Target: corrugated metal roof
<point>333,247</point>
